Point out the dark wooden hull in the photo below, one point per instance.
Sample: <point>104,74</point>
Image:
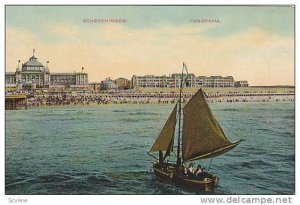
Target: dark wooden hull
<point>174,174</point>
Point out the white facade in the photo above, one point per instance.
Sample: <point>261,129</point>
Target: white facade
<point>174,81</point>
<point>34,74</point>
<point>108,84</point>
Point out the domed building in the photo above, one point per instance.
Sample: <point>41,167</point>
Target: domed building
<point>34,75</point>
<point>33,65</point>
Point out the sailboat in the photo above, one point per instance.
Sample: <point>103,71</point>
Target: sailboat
<point>199,137</point>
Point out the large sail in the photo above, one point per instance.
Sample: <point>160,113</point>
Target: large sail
<point>164,141</point>
<point>202,135</point>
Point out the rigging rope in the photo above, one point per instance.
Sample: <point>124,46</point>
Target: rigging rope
<point>231,131</point>
<point>209,164</point>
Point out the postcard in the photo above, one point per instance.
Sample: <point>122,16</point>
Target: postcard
<point>150,100</point>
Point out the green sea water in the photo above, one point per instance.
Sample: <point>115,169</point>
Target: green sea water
<point>103,149</point>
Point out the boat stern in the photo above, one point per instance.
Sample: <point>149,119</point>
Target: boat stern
<point>169,172</point>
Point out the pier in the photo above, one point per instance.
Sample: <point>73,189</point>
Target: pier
<point>15,102</point>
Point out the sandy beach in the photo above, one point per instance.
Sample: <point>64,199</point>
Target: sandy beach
<point>223,95</point>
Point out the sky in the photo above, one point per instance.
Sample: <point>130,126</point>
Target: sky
<point>254,43</point>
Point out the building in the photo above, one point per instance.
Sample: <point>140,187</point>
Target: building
<point>34,75</point>
<point>123,83</point>
<point>95,87</point>
<point>69,79</point>
<point>151,81</point>
<point>120,83</point>
<point>108,84</point>
<point>218,81</point>
<point>10,81</point>
<point>241,83</point>
<point>174,81</point>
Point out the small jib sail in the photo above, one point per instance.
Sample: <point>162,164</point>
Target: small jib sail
<point>165,139</point>
<point>202,135</point>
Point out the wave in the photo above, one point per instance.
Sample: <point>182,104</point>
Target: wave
<point>119,111</point>
<point>252,164</point>
<point>144,113</point>
<point>263,129</point>
<point>284,157</point>
<point>229,109</point>
<point>130,120</point>
<point>100,178</point>
<point>289,134</point>
<point>289,117</point>
<point>24,181</point>
<point>55,178</point>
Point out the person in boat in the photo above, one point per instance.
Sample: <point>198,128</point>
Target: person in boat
<point>185,170</point>
<point>199,172</point>
<point>191,171</point>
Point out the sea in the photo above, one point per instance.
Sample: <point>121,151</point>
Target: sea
<point>102,150</point>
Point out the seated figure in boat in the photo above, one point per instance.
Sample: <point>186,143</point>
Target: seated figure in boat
<point>199,172</point>
<point>191,171</point>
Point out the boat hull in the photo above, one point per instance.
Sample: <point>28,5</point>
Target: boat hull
<point>174,174</point>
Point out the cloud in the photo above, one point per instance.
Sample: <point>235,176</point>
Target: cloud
<point>259,56</point>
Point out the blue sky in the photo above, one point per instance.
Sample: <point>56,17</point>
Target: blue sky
<point>238,18</point>
<point>261,36</point>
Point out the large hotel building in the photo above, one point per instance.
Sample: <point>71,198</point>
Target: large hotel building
<point>34,75</point>
<point>174,80</point>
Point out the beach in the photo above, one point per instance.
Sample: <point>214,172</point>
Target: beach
<point>163,96</point>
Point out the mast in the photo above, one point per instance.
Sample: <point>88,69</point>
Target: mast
<point>179,118</point>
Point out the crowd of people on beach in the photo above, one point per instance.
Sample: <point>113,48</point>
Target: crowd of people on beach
<point>63,99</point>
<point>97,99</point>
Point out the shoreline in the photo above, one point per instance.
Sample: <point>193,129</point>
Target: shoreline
<point>158,96</point>
<point>109,100</point>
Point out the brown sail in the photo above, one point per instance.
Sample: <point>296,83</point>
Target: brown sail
<point>202,135</point>
<point>164,141</point>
